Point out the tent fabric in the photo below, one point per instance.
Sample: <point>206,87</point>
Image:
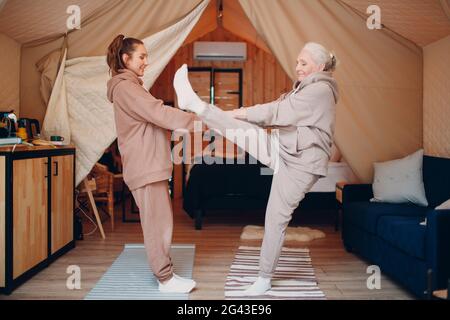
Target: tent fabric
<point>379,116</point>
<point>436,98</point>
<point>48,67</point>
<point>446,7</point>
<point>31,20</point>
<point>137,18</point>
<point>78,108</point>
<point>10,70</point>
<point>2,4</point>
<point>233,19</point>
<point>422,22</point>
<point>373,86</point>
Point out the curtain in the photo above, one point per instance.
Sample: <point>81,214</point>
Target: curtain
<point>379,115</point>
<point>48,67</point>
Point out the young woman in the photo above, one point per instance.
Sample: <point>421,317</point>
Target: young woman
<point>305,119</point>
<point>142,122</point>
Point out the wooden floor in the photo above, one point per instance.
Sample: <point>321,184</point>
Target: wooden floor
<point>341,275</point>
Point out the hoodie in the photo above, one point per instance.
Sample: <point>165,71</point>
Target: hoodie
<point>142,122</point>
<point>305,118</point>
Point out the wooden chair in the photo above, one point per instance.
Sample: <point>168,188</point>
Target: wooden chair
<point>104,192</point>
<point>85,191</point>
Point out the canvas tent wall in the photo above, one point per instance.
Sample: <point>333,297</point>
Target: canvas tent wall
<point>78,108</point>
<point>380,74</point>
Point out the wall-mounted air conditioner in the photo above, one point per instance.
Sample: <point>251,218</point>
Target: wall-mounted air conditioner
<point>216,50</point>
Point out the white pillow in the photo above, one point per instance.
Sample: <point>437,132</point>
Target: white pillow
<point>400,180</point>
<point>443,206</point>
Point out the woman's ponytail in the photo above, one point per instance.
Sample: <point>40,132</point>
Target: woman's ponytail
<point>331,63</point>
<point>119,46</point>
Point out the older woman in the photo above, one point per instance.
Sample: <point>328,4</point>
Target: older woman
<point>305,119</point>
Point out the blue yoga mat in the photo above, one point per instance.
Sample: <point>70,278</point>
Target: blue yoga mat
<point>130,277</point>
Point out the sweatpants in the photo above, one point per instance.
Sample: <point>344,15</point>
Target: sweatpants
<point>155,212</point>
<point>289,183</point>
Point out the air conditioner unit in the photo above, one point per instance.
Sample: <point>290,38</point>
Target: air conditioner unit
<point>215,50</point>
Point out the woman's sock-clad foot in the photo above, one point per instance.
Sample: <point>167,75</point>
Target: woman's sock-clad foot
<point>177,284</point>
<point>184,279</point>
<point>187,98</point>
<point>259,287</point>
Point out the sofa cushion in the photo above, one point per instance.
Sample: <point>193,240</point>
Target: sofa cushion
<point>365,214</point>
<point>404,233</point>
<point>400,180</point>
<point>436,178</point>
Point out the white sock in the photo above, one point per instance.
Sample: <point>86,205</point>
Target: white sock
<point>176,284</point>
<point>187,98</point>
<point>184,279</point>
<point>259,287</point>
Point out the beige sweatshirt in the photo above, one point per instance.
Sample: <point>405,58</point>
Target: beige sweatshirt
<point>305,118</point>
<point>142,122</point>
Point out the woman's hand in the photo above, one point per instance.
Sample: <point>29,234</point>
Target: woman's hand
<point>240,113</point>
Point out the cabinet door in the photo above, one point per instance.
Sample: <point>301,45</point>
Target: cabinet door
<point>30,214</point>
<point>2,221</point>
<point>62,201</point>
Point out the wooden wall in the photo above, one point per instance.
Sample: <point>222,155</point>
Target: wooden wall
<point>263,77</point>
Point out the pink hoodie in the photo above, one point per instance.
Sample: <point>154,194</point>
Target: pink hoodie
<point>142,122</point>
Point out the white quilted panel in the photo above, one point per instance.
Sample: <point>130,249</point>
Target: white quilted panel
<point>436,98</point>
<point>422,22</point>
<point>28,20</point>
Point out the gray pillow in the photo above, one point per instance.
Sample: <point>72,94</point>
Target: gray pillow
<point>400,180</point>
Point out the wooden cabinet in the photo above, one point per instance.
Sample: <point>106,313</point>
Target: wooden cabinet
<point>62,181</point>
<point>30,214</point>
<point>36,210</point>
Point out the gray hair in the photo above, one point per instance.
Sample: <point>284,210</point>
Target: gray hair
<point>320,55</point>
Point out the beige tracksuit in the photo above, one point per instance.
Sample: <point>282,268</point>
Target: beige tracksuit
<point>305,119</point>
<point>142,123</point>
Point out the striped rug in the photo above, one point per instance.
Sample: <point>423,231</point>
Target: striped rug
<point>294,277</point>
<point>130,277</point>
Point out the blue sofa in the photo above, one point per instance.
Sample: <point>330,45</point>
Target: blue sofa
<point>390,235</point>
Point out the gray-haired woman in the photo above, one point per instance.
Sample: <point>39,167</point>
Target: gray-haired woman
<point>305,119</point>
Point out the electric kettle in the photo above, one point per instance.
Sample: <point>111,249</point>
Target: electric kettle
<point>7,124</point>
<point>25,127</point>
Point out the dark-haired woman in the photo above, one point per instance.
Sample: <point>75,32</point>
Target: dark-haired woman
<point>142,122</point>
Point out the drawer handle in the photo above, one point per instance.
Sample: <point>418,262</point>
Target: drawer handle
<point>46,169</point>
<point>56,168</point>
